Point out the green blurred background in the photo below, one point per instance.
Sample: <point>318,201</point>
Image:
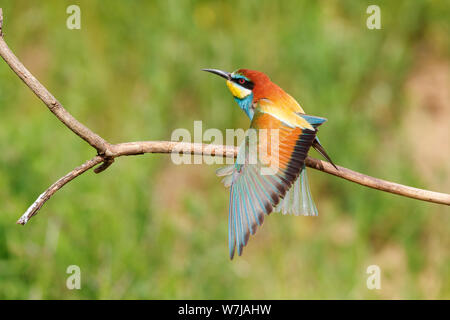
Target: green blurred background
<point>146,228</point>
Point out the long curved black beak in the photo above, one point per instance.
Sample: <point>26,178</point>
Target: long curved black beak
<point>220,73</point>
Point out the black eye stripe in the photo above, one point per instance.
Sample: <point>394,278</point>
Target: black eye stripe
<point>247,84</point>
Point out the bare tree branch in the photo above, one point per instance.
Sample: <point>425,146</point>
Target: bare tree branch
<point>50,101</point>
<point>106,152</point>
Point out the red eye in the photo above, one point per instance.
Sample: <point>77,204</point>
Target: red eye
<point>241,80</point>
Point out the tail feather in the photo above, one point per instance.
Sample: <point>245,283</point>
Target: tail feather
<point>320,149</point>
<point>298,199</point>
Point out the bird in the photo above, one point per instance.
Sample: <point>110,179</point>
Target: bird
<point>255,189</point>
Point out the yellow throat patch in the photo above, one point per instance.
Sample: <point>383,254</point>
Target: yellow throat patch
<point>237,91</point>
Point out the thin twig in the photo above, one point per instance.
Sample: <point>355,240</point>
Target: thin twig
<point>1,22</point>
<point>379,184</point>
<point>106,152</point>
<point>33,209</point>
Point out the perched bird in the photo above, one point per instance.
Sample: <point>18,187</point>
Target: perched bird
<point>253,191</point>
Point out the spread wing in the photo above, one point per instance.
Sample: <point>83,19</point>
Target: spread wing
<point>265,169</point>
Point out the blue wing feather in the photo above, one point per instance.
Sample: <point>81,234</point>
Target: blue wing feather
<point>253,195</point>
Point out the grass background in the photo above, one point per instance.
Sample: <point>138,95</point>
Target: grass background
<point>146,228</point>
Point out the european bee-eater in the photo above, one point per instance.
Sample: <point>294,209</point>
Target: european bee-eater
<point>253,194</point>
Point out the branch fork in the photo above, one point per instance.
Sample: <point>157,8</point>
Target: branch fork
<point>107,153</point>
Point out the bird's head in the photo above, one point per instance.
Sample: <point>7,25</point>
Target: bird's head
<point>245,85</point>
